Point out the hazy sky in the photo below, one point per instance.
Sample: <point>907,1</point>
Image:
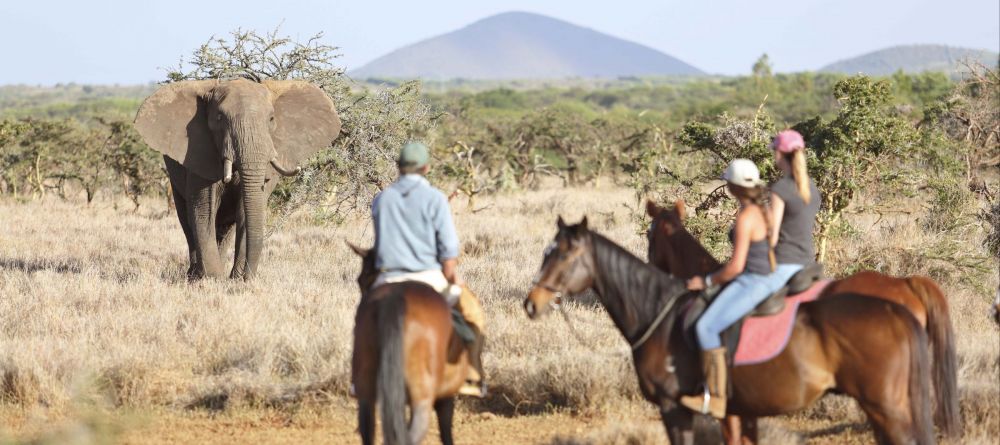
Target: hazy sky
<point>128,41</point>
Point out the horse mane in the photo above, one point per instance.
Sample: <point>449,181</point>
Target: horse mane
<point>633,290</point>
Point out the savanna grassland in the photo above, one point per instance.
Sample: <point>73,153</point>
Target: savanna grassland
<point>104,338</point>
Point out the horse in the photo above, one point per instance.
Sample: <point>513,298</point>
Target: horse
<point>869,349</point>
<point>405,353</point>
<point>674,250</point>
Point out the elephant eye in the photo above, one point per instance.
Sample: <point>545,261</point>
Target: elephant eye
<point>272,118</point>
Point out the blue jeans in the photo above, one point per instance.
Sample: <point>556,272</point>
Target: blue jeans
<point>735,301</point>
<point>782,274</point>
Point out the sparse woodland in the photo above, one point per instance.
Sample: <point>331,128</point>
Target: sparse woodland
<point>91,260</point>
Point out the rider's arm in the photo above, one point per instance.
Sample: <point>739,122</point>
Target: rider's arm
<point>447,240</point>
<point>777,213</point>
<point>450,270</point>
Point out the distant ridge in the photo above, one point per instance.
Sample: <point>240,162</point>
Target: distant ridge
<point>521,45</point>
<point>912,59</point>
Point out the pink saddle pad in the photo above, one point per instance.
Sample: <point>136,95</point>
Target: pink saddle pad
<point>763,338</point>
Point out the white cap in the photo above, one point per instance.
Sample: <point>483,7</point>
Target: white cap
<point>742,172</point>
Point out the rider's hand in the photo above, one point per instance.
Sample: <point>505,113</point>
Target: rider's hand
<point>696,283</point>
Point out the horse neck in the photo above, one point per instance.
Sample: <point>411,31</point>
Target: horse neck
<point>696,260</point>
<point>632,291</point>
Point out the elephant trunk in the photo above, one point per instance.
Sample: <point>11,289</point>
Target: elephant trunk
<point>254,146</point>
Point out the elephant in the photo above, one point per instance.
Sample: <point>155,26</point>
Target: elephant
<point>225,143</point>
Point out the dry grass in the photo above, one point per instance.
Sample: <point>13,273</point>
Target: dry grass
<point>96,308</point>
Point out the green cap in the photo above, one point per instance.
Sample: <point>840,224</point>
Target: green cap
<point>414,154</point>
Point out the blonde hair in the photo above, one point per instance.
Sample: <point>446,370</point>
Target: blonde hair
<point>800,174</point>
<point>757,196</point>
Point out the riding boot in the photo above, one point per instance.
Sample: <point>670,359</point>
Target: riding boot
<point>713,400</point>
<point>475,383</point>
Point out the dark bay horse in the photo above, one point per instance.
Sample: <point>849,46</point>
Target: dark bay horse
<point>872,350</point>
<point>674,250</point>
<point>405,352</point>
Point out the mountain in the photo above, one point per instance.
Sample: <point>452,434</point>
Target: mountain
<point>912,59</point>
<point>521,45</point>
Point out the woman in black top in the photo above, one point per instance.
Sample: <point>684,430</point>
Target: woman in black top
<point>794,204</point>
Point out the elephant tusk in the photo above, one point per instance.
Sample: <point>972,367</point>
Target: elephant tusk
<point>284,171</point>
<point>227,170</point>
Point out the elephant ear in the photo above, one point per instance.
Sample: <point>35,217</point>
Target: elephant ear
<point>305,120</point>
<point>174,121</point>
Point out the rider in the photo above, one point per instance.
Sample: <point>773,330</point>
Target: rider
<point>794,204</point>
<point>415,240</point>
<point>747,272</point>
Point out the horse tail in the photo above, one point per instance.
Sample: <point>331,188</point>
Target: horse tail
<point>942,338</point>
<point>391,381</point>
<point>920,400</point>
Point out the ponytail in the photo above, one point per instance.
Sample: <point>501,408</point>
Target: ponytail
<point>765,209</point>
<point>800,174</point>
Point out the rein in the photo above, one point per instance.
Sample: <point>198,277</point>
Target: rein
<point>658,320</point>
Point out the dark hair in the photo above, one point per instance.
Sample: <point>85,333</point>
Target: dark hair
<point>758,196</point>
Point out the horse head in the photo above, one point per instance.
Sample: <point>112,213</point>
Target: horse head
<point>368,274</point>
<point>672,248</point>
<point>567,268</point>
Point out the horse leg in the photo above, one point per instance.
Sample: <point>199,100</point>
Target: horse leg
<point>679,423</point>
<point>366,421</point>
<point>445,409</point>
<point>889,425</point>
<point>750,430</point>
<point>420,414</point>
<point>731,430</point>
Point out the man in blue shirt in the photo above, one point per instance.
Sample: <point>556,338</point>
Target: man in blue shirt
<point>415,240</point>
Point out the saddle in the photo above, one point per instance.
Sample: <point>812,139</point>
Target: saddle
<point>799,283</point>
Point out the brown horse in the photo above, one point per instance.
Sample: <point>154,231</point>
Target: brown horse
<point>872,350</point>
<point>405,351</point>
<point>674,250</point>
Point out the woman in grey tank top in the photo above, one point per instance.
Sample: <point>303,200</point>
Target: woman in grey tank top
<point>747,273</point>
<point>794,205</point>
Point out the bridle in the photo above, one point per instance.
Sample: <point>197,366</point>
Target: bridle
<point>561,268</point>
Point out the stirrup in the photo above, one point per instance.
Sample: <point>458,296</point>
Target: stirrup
<point>706,400</point>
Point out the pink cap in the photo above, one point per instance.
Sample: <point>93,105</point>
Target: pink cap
<point>788,141</point>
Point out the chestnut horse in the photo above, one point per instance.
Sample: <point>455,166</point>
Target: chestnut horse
<point>674,250</point>
<point>405,351</point>
<point>872,350</point>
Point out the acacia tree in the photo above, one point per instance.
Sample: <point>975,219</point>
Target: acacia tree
<point>859,148</point>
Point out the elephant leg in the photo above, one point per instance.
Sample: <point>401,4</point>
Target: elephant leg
<point>201,214</point>
<point>177,176</point>
<point>194,267</point>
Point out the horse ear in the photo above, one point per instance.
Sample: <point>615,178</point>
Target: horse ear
<point>679,207</point>
<point>560,223</point>
<point>583,223</point>
<point>651,208</point>
<point>362,252</point>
